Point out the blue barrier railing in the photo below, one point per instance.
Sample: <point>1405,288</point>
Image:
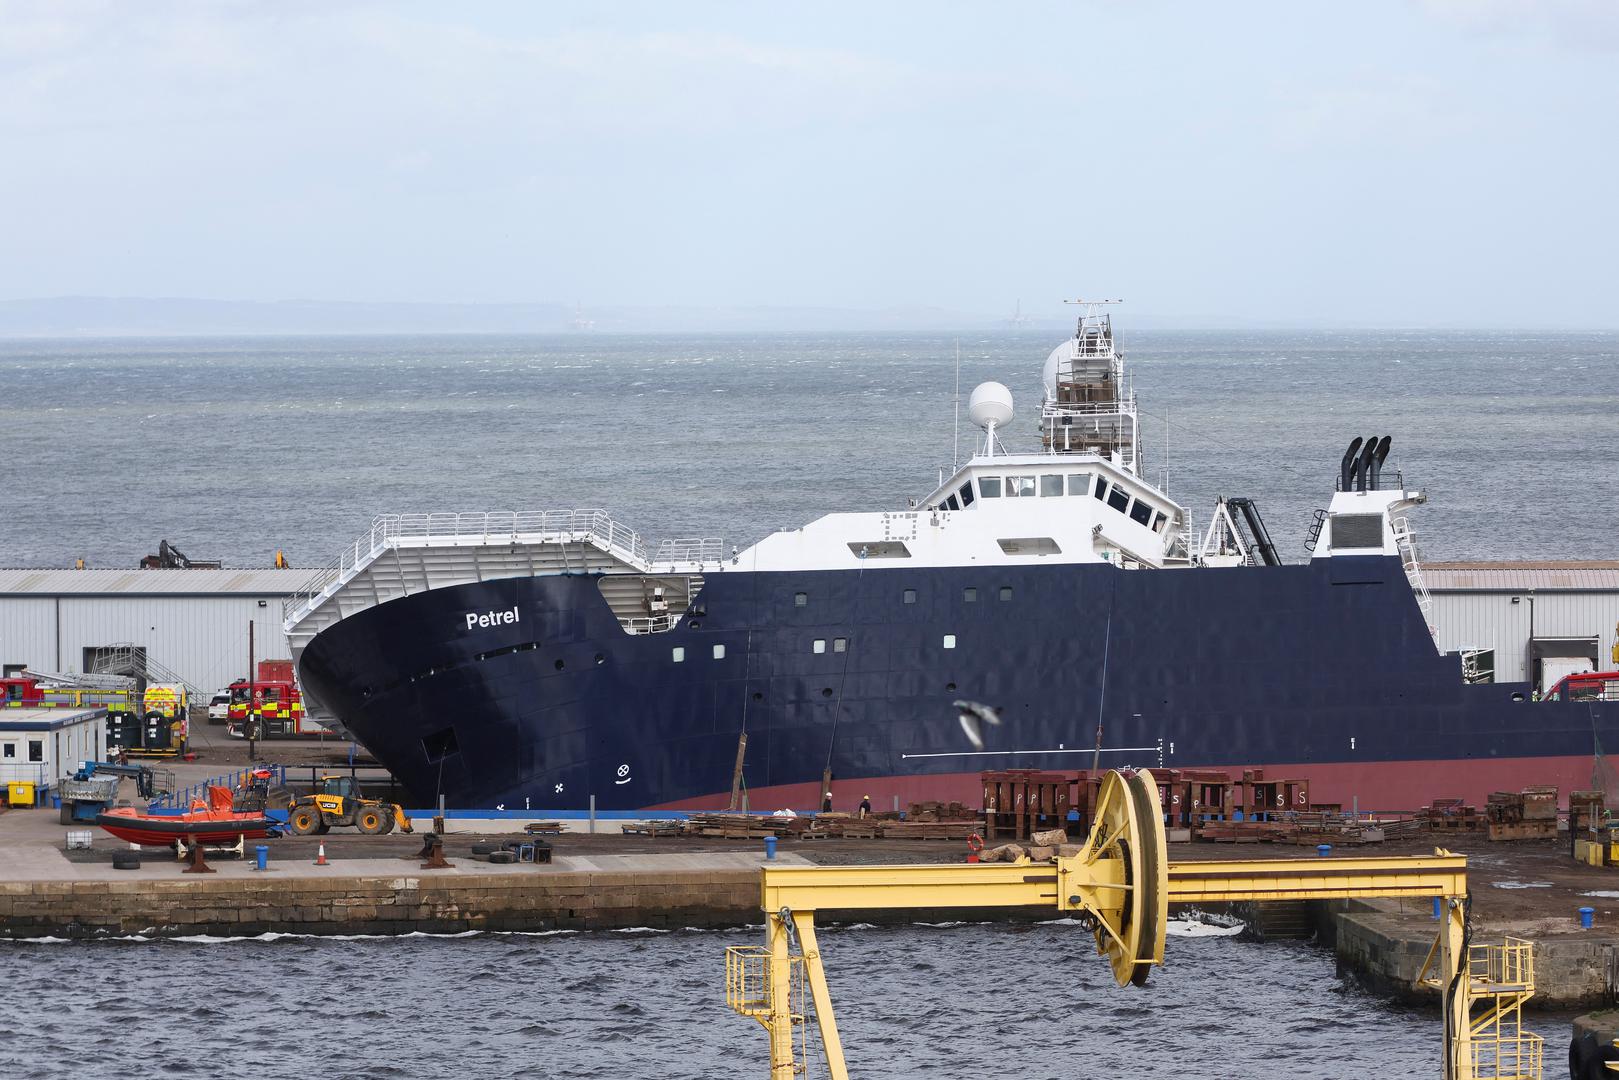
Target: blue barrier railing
<point>182,798</point>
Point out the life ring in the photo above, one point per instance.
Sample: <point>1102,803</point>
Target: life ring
<point>975,843</point>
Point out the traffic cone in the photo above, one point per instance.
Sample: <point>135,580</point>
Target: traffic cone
<point>320,856</point>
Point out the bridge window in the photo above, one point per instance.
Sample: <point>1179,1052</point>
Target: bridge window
<point>1101,489</point>
<point>1051,484</point>
<point>678,654</point>
<point>952,504</point>
<point>1158,520</point>
<point>989,487</point>
<point>966,494</point>
<point>1019,486</point>
<point>1140,513</point>
<point>1118,499</point>
<point>1079,483</point>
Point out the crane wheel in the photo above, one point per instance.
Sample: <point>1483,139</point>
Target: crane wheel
<point>370,821</point>
<point>304,820</point>
<point>387,822</point>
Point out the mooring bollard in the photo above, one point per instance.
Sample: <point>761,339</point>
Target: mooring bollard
<point>770,847</point>
<point>1323,850</point>
<point>1587,915</point>
<point>262,853</point>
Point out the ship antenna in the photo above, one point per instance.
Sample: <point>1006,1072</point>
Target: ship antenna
<point>955,436</point>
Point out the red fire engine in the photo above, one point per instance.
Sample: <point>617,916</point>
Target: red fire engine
<point>274,699</point>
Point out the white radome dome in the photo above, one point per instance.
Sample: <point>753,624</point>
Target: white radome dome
<point>991,403</point>
<point>1048,377</point>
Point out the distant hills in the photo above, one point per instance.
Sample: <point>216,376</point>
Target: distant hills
<point>96,316</point>
<point>101,316</point>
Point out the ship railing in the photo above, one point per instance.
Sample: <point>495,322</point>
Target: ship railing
<point>469,527</point>
<point>649,624</point>
<point>704,549</point>
<point>1393,480</point>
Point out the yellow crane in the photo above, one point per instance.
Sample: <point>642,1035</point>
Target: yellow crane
<point>1120,887</point>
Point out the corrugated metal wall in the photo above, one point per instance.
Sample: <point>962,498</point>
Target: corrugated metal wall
<point>1490,620</point>
<point>203,638</point>
<point>28,630</point>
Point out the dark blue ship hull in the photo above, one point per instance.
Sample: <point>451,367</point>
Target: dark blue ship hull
<point>1324,670</point>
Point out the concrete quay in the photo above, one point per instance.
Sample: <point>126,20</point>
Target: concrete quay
<point>1383,945</point>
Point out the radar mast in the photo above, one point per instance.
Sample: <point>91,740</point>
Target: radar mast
<point>1088,406</point>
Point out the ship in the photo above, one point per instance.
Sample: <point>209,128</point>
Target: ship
<point>553,660</point>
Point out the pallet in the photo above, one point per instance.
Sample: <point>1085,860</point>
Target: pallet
<point>651,828</point>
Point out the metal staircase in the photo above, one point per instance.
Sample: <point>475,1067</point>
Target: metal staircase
<point>1411,562</point>
<point>125,658</point>
<point>1500,978</point>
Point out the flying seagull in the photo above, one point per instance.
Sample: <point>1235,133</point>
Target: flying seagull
<point>973,717</point>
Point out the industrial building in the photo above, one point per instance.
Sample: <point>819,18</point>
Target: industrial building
<point>40,746</point>
<point>1528,622</point>
<point>193,623</point>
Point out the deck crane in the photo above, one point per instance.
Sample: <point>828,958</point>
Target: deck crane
<point>1120,887</point>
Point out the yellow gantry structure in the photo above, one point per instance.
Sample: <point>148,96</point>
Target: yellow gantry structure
<point>1121,885</point>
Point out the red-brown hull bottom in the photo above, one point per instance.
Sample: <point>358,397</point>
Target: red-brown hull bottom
<point>152,832</point>
<point>1384,786</point>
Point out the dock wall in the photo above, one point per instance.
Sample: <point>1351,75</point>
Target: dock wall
<point>1384,949</point>
<point>379,905</point>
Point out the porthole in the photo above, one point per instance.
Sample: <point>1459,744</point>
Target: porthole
<point>840,644</point>
<point>758,696</point>
<point>678,654</point>
<point>909,596</point>
<point>560,665</point>
<point>969,595</point>
<point>819,646</point>
<point>600,659</point>
<point>950,641</point>
<point>719,652</point>
<point>826,691</point>
<point>800,599</point>
<point>950,687</point>
<point>1006,592</point>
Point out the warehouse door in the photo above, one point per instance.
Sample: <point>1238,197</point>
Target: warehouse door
<point>1552,658</point>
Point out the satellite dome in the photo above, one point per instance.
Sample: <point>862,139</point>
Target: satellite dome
<point>1054,364</point>
<point>991,403</point>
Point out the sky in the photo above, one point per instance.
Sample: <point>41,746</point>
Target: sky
<point>1387,162</point>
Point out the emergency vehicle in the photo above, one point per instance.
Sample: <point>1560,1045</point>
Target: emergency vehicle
<point>1586,686</point>
<point>274,699</point>
<point>153,723</point>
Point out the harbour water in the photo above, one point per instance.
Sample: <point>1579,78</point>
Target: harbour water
<point>235,448</point>
<point>936,1002</point>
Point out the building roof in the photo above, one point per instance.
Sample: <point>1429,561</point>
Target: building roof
<point>1521,576</point>
<point>265,582</point>
<point>46,719</point>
